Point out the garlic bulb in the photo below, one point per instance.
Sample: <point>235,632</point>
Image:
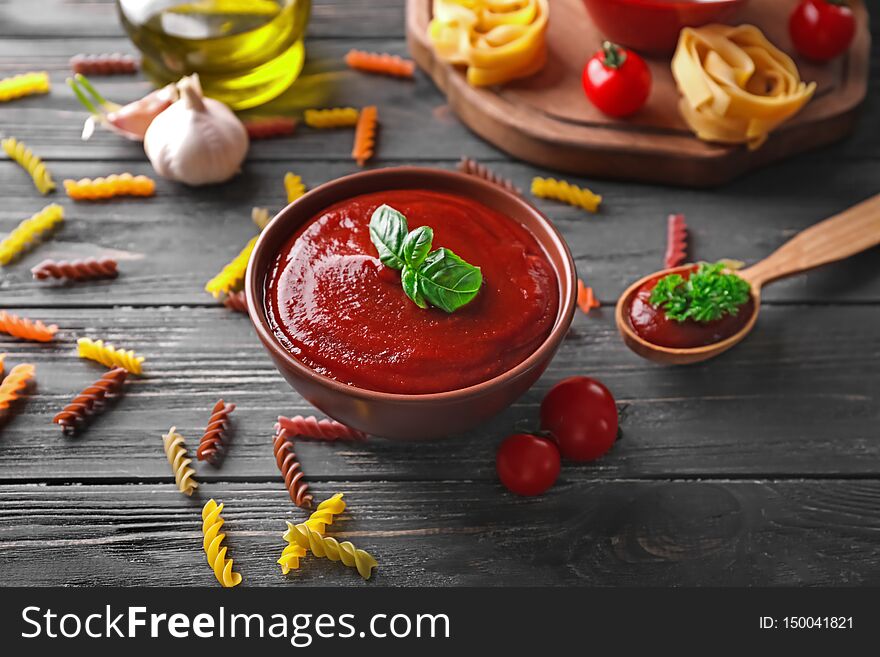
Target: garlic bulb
<point>197,140</point>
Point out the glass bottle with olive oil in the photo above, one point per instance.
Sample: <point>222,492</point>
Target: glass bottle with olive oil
<point>246,52</point>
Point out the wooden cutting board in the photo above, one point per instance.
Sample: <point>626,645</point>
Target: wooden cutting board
<point>546,119</point>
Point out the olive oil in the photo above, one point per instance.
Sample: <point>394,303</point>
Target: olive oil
<point>246,52</point>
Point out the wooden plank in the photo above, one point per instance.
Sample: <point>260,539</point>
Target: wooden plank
<point>170,245</point>
<point>722,533</point>
<point>795,399</point>
<point>97,18</point>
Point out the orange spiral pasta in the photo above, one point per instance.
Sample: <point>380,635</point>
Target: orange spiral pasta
<point>212,445</point>
<point>15,383</point>
<point>586,301</point>
<point>291,470</point>
<point>76,270</point>
<point>26,329</point>
<point>123,184</point>
<point>35,167</point>
<point>381,63</point>
<point>334,117</point>
<point>215,551</point>
<point>104,64</point>
<point>365,135</point>
<point>2,365</point>
<point>312,427</point>
<point>26,84</point>
<point>294,186</point>
<point>29,232</point>
<point>267,127</point>
<point>236,301</point>
<point>90,400</point>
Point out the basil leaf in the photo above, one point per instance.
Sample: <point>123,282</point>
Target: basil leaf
<point>448,282</point>
<point>409,278</point>
<point>388,231</point>
<point>417,245</point>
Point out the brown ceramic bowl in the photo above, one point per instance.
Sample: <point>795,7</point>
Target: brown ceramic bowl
<point>410,416</point>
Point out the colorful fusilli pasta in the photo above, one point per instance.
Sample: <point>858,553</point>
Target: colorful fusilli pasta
<point>123,184</point>
<point>381,63</point>
<point>261,217</point>
<point>676,241</point>
<point>2,365</point>
<point>104,64</point>
<point>14,384</point>
<point>25,157</point>
<point>110,356</point>
<point>175,450</point>
<point>232,274</point>
<point>586,301</point>
<point>212,445</point>
<point>236,301</point>
<point>26,84</point>
<point>365,135</point>
<point>29,232</point>
<point>76,270</point>
<point>215,551</point>
<point>291,470</point>
<point>26,329</point>
<point>474,168</point>
<point>560,190</point>
<point>267,127</point>
<point>312,427</point>
<point>318,521</point>
<point>90,400</point>
<point>329,548</point>
<point>334,117</point>
<point>294,186</point>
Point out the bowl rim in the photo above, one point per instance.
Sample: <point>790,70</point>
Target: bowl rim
<point>254,285</point>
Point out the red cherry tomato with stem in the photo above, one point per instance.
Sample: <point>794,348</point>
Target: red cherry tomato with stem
<point>527,464</point>
<point>822,29</point>
<point>581,414</point>
<point>616,80</point>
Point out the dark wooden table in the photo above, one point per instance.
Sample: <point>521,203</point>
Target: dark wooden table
<point>760,468</point>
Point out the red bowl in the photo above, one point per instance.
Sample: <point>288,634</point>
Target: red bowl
<point>652,26</point>
<point>395,415</point>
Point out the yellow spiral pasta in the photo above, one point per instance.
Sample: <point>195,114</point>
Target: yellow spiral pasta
<point>110,356</point>
<point>232,274</point>
<point>560,190</point>
<point>318,521</point>
<point>29,232</point>
<point>123,184</point>
<point>26,84</point>
<point>334,117</point>
<point>261,217</point>
<point>736,86</point>
<point>329,548</point>
<point>25,157</point>
<point>175,450</point>
<point>498,40</point>
<point>14,384</point>
<point>294,186</point>
<point>212,522</point>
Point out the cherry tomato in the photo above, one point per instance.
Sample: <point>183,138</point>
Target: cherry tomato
<point>617,80</point>
<point>822,29</point>
<point>581,414</point>
<point>527,464</point>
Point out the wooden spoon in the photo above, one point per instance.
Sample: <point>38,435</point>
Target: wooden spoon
<point>839,237</point>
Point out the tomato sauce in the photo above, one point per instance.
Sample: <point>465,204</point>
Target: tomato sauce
<point>651,323</point>
<point>333,305</point>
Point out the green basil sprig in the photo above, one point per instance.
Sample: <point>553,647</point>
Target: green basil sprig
<point>439,278</point>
